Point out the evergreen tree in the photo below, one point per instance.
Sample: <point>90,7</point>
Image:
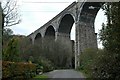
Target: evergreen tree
<point>11,51</point>
<point>110,36</point>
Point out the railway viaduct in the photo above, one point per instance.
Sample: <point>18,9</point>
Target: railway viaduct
<point>82,14</point>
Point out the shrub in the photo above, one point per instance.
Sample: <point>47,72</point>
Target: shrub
<point>106,66</point>
<point>18,70</point>
<point>44,65</point>
<point>87,59</point>
<point>99,64</point>
<point>10,53</point>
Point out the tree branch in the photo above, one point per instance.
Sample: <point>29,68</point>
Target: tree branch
<point>10,13</point>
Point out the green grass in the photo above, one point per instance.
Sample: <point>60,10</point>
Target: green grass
<point>41,77</point>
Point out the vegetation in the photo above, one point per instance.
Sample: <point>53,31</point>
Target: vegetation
<point>20,49</point>
<point>86,59</point>
<point>6,36</point>
<point>41,77</point>
<point>10,17</point>
<point>110,37</point>
<point>94,63</point>
<point>11,51</point>
<point>48,52</point>
<point>13,70</point>
<point>105,63</point>
<point>9,13</point>
<point>22,59</point>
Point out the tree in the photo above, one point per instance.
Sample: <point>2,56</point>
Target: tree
<point>11,51</point>
<point>9,17</point>
<point>110,35</point>
<point>0,32</point>
<point>7,36</point>
<point>7,33</point>
<point>10,14</point>
<point>55,51</point>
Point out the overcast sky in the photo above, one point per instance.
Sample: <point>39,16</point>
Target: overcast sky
<point>35,13</point>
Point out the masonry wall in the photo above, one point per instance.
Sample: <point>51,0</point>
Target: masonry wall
<point>85,38</point>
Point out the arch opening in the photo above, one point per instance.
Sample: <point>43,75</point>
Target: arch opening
<point>38,38</point>
<point>66,28</point>
<point>66,24</point>
<point>50,32</point>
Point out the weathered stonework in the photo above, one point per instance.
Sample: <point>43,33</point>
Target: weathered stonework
<point>83,17</point>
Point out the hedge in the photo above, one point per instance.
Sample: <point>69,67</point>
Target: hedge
<point>18,70</point>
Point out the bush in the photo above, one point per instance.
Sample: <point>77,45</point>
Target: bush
<point>44,65</point>
<point>91,62</point>
<point>18,70</point>
<point>86,60</point>
<point>10,53</point>
<point>99,64</point>
<point>106,66</point>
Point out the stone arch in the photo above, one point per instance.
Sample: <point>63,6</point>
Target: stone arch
<point>50,32</point>
<point>89,12</point>
<point>66,24</point>
<point>68,13</point>
<point>38,38</point>
<point>64,30</point>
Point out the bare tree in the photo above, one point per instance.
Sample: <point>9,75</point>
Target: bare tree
<point>10,13</point>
